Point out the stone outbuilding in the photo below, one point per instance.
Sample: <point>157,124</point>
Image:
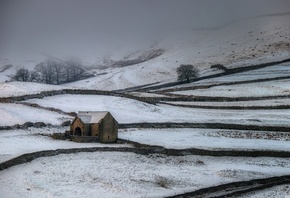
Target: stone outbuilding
<point>99,124</point>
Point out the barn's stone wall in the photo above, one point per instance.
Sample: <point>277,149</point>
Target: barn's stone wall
<point>83,139</point>
<point>86,130</point>
<point>77,123</point>
<point>95,129</point>
<point>106,130</point>
<point>109,132</point>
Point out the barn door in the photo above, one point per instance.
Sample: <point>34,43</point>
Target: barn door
<point>78,131</point>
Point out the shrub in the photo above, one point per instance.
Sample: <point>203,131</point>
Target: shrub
<point>162,181</point>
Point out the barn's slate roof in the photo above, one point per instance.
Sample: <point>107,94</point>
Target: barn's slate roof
<point>91,117</point>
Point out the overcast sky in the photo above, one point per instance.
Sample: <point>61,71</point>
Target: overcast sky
<point>67,24</point>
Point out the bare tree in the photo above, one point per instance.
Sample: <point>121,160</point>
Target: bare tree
<point>58,69</point>
<point>35,76</point>
<point>46,71</point>
<point>22,74</point>
<point>57,72</point>
<point>186,72</point>
<point>76,73</point>
<point>74,69</point>
<point>67,73</point>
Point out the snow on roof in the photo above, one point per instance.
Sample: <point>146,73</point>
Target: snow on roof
<point>89,117</point>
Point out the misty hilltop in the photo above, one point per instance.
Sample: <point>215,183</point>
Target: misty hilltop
<point>130,43</point>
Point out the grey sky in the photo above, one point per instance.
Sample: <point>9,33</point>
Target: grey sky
<point>65,24</point>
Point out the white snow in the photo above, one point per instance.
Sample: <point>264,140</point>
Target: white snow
<point>202,139</point>
<point>12,114</point>
<point>267,72</point>
<point>114,174</point>
<point>132,111</point>
<point>270,88</point>
<point>17,142</point>
<point>264,73</point>
<point>25,88</point>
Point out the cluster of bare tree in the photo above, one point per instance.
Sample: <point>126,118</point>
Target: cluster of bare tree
<point>52,72</point>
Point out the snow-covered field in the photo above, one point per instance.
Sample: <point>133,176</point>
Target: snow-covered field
<point>24,88</point>
<point>264,73</point>
<point>17,142</point>
<point>270,88</point>
<point>212,139</point>
<point>12,114</point>
<point>132,111</point>
<point>114,174</point>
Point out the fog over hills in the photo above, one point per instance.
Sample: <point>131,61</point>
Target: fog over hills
<point>91,28</point>
<point>134,42</point>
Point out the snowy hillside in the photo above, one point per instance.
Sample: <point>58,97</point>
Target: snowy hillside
<point>266,42</point>
<point>257,41</point>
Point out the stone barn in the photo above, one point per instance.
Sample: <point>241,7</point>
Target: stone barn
<point>99,124</point>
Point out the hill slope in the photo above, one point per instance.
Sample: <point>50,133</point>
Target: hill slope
<point>263,40</point>
<point>244,43</point>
